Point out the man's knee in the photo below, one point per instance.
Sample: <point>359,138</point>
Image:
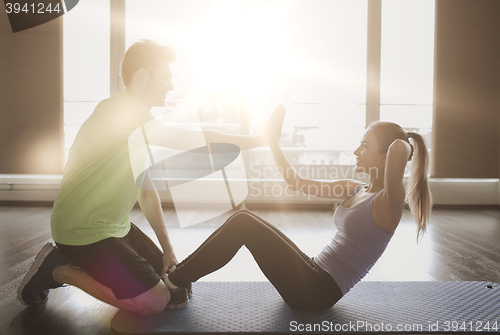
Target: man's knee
<point>153,301</point>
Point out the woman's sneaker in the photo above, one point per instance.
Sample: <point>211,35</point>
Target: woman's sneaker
<point>179,298</point>
<point>35,286</point>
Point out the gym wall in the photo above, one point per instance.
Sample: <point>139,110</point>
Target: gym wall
<point>466,125</point>
<point>31,100</point>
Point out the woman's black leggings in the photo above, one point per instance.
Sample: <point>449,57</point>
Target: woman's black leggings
<point>298,279</point>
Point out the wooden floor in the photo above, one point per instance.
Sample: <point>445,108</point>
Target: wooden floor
<point>461,244</point>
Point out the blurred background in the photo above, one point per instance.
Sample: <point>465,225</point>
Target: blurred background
<point>336,65</point>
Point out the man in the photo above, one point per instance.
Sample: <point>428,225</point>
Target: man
<point>109,257</point>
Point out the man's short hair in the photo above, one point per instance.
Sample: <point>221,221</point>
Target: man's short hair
<point>145,54</point>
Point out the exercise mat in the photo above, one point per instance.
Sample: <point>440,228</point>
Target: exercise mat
<point>392,307</point>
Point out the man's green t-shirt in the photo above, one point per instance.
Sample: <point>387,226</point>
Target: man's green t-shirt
<point>98,189</point>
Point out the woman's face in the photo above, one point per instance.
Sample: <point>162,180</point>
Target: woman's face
<point>368,156</point>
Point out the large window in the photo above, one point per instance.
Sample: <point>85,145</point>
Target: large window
<point>86,51</point>
<point>407,64</point>
<point>237,60</point>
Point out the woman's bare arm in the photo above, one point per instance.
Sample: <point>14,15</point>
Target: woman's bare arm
<point>389,205</point>
<point>336,189</point>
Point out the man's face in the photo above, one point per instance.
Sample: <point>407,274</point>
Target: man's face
<point>159,84</point>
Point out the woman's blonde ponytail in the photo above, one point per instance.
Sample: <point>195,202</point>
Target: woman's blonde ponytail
<point>419,196</point>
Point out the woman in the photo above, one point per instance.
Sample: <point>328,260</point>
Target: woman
<point>366,221</point>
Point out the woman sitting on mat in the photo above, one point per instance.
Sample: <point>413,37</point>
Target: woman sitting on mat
<point>366,221</point>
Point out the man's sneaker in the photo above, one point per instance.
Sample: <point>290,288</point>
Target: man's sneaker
<point>35,286</point>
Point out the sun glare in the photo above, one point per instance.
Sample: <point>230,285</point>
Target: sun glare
<point>252,57</point>
<point>239,50</point>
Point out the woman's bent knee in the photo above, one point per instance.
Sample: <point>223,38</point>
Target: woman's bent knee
<point>238,216</point>
<point>241,217</point>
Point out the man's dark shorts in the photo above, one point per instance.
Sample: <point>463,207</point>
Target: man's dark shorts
<point>129,266</point>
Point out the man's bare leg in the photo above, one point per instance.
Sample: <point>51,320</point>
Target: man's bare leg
<point>151,302</point>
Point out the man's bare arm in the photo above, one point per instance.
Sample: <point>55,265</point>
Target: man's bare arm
<point>150,203</point>
<point>185,139</point>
